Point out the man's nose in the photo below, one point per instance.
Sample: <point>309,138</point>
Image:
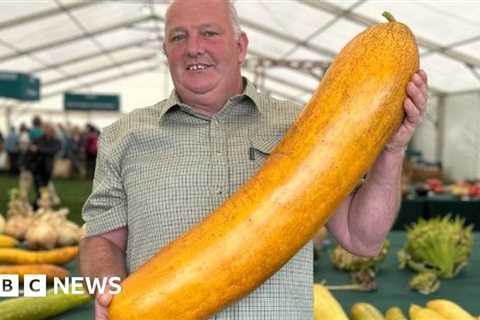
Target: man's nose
<point>195,46</point>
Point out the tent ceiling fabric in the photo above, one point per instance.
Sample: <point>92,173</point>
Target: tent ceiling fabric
<point>83,44</point>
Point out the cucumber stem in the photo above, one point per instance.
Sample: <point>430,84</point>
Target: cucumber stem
<point>389,16</point>
<point>346,287</point>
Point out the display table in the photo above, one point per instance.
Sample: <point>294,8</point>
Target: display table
<point>393,283</point>
<point>427,207</point>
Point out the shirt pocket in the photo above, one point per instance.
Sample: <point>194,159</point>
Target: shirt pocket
<point>261,147</point>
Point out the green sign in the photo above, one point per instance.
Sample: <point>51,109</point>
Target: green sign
<point>91,102</point>
<point>20,86</point>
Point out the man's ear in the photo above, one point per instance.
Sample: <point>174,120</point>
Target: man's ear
<point>242,47</point>
<point>164,49</point>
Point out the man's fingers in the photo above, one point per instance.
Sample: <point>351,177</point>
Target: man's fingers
<point>417,79</point>
<point>416,96</point>
<point>423,74</point>
<point>104,299</point>
<point>413,114</point>
<point>420,83</point>
<point>420,80</point>
<point>101,312</point>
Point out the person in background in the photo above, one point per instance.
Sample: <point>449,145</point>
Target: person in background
<point>91,145</point>
<point>76,154</point>
<point>162,169</point>
<point>36,131</point>
<point>62,135</point>
<point>42,152</point>
<point>12,149</point>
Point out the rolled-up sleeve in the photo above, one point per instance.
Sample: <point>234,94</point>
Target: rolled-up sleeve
<point>106,207</point>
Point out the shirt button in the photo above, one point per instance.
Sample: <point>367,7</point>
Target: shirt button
<point>218,190</point>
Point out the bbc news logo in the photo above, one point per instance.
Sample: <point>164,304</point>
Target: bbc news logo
<point>35,285</point>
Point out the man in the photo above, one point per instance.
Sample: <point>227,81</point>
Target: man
<point>11,146</point>
<point>162,169</point>
<point>41,157</point>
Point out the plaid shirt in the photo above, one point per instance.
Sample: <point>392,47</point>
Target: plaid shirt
<point>162,169</point>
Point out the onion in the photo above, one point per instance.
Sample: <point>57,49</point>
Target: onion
<point>68,234</point>
<point>17,226</point>
<point>41,235</point>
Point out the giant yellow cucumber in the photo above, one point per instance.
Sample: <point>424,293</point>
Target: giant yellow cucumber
<point>343,128</point>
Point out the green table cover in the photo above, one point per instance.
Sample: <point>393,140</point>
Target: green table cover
<point>393,283</point>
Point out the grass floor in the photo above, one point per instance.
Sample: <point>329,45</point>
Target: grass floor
<point>72,192</point>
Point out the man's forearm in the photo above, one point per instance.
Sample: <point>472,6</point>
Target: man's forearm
<point>375,205</point>
<point>99,258</point>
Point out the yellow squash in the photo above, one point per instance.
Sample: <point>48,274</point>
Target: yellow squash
<point>54,256</point>
<point>7,241</point>
<point>418,313</point>
<point>335,140</point>
<point>365,311</point>
<point>325,306</point>
<point>449,309</point>
<point>394,313</point>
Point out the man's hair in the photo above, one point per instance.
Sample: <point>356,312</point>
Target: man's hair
<point>234,19</point>
<point>237,30</point>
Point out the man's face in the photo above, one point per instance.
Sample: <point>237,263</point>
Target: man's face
<point>203,54</point>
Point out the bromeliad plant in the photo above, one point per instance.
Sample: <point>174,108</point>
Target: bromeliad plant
<point>363,269</point>
<point>439,246</point>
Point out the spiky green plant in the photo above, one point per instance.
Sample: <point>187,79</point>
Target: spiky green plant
<point>362,269</point>
<point>425,282</point>
<point>441,245</point>
<point>436,248</point>
<point>344,260</point>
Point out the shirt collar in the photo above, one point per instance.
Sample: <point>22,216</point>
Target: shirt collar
<point>250,92</point>
<point>253,94</point>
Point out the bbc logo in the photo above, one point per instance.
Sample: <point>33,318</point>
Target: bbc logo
<point>34,285</point>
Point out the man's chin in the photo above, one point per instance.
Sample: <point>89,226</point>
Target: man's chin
<point>201,89</point>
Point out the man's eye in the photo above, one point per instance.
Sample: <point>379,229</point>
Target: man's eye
<point>210,33</point>
<point>177,37</point>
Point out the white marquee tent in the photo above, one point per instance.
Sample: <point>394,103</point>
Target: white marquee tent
<point>115,47</point>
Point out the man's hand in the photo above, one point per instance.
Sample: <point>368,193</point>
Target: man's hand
<point>102,301</point>
<point>415,105</point>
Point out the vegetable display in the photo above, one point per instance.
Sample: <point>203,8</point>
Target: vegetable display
<point>55,256</point>
<point>438,247</point>
<point>333,143</point>
<point>326,307</point>
<point>19,215</point>
<point>45,228</point>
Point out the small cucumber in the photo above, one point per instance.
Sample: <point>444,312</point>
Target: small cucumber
<point>40,308</point>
